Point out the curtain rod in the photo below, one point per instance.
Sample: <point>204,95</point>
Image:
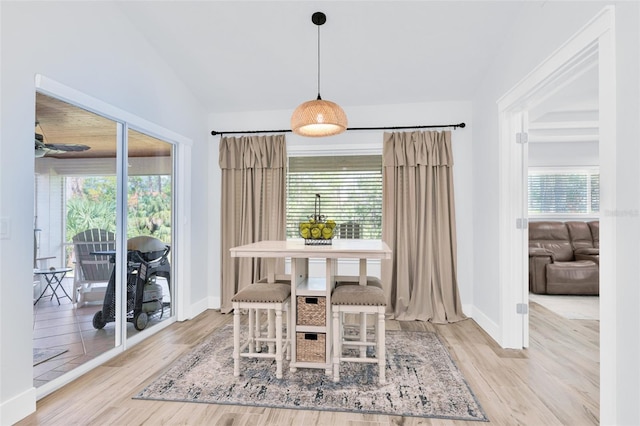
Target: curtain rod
<point>455,126</point>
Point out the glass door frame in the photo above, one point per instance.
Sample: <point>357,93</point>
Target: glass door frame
<point>180,294</point>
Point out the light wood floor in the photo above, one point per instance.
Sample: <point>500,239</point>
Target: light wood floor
<point>554,382</point>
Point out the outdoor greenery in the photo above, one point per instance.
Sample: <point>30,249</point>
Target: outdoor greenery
<point>345,189</point>
<point>345,200</point>
<point>91,203</point>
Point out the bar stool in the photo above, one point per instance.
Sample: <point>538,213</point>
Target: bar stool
<point>358,299</point>
<point>276,299</point>
<point>355,280</point>
<point>269,313</point>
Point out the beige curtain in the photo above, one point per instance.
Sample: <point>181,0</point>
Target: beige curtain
<point>252,206</point>
<point>419,226</point>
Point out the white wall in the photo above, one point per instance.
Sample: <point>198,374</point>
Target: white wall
<point>93,49</point>
<point>563,154</point>
<point>368,142</point>
<point>539,34</point>
<point>627,248</point>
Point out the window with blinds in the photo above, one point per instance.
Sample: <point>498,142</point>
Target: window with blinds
<point>564,192</point>
<point>350,189</point>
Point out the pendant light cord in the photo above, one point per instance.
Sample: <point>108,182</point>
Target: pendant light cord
<point>319,19</point>
<point>319,62</point>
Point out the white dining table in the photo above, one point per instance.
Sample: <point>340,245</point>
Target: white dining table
<point>302,285</point>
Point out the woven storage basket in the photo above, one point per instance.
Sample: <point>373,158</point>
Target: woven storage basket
<point>310,347</point>
<point>311,310</point>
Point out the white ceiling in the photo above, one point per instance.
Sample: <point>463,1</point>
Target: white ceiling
<point>252,56</point>
<point>571,114</point>
<point>579,98</point>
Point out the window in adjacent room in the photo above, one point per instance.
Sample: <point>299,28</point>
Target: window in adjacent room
<point>350,189</point>
<point>564,192</point>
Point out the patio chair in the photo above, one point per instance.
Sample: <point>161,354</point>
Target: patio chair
<point>92,272</point>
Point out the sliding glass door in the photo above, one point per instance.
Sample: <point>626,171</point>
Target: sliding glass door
<point>149,230</point>
<point>103,224</point>
<point>75,235</point>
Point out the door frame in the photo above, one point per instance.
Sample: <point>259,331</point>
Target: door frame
<point>181,228</point>
<point>595,40</point>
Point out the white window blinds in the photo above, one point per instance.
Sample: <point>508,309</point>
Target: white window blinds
<point>350,189</point>
<point>564,192</point>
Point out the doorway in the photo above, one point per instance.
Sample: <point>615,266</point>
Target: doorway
<point>563,175</point>
<point>591,46</point>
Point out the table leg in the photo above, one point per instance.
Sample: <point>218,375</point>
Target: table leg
<point>48,285</point>
<point>363,316</point>
<point>330,276</point>
<point>51,279</point>
<point>271,270</point>
<point>363,272</point>
<point>59,281</point>
<point>299,272</point>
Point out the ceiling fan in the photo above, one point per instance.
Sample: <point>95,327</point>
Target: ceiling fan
<point>42,148</point>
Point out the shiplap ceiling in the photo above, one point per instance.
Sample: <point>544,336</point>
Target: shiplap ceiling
<point>62,123</point>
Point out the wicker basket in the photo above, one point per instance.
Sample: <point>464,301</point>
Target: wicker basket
<point>311,347</point>
<point>311,310</point>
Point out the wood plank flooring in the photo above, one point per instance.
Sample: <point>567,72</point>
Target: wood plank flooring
<point>554,382</point>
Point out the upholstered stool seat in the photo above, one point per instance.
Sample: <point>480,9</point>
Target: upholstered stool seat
<point>364,300</point>
<point>275,298</point>
<point>371,281</point>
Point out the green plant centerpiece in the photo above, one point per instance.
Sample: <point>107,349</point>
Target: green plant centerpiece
<point>317,230</point>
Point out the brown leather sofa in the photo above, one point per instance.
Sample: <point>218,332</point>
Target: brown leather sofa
<point>564,257</point>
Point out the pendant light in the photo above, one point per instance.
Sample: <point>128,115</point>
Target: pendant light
<point>318,117</point>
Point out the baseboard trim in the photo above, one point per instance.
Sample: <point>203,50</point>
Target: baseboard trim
<point>17,408</point>
<point>197,308</point>
<point>468,310</point>
<point>214,303</point>
<point>485,323</point>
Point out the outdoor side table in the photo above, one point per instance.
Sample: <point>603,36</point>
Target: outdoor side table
<point>54,278</point>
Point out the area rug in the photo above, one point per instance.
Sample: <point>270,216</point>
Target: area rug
<point>42,355</point>
<point>422,381</point>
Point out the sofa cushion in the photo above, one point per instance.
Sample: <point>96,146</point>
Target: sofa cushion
<point>553,236</point>
<point>580,234</point>
<point>595,232</point>
<point>579,277</point>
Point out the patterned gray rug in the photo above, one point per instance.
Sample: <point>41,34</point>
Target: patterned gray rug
<point>422,381</point>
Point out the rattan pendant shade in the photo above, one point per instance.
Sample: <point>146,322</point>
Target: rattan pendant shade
<point>318,117</point>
